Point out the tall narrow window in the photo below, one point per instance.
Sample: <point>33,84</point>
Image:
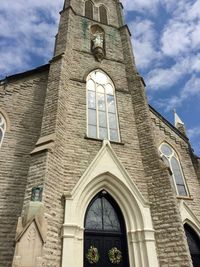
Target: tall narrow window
<point>103,15</point>
<point>102,111</point>
<point>2,128</point>
<point>171,159</point>
<point>89,9</point>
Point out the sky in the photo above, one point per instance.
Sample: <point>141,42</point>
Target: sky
<point>166,45</point>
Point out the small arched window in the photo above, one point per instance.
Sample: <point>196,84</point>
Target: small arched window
<point>171,159</point>
<point>89,9</point>
<point>194,245</point>
<point>102,111</point>
<point>2,128</point>
<point>103,14</point>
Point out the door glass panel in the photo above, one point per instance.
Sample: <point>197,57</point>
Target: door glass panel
<point>110,219</point>
<point>194,245</point>
<point>102,216</point>
<point>94,216</point>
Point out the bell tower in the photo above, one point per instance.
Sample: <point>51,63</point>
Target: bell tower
<point>96,130</point>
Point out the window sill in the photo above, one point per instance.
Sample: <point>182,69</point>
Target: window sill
<point>185,197</point>
<point>101,140</point>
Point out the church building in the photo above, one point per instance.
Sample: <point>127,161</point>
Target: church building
<point>91,175</point>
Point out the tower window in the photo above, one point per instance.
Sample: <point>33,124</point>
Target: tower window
<point>2,128</point>
<point>171,159</point>
<point>89,9</point>
<point>103,14</point>
<point>102,111</point>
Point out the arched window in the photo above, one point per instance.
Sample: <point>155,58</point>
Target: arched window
<point>89,9</point>
<point>102,111</point>
<point>194,245</point>
<point>105,232</point>
<point>2,128</point>
<point>171,159</point>
<point>103,14</point>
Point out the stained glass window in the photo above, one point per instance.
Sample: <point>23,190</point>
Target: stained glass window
<point>171,159</point>
<point>89,9</point>
<point>2,128</point>
<point>102,216</point>
<point>102,111</point>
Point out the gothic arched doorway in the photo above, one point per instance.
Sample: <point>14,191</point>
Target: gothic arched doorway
<point>105,242</point>
<point>194,245</point>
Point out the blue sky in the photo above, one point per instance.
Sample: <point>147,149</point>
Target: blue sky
<point>166,41</point>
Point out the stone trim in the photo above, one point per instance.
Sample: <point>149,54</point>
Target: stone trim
<point>189,217</point>
<point>44,143</point>
<point>107,173</point>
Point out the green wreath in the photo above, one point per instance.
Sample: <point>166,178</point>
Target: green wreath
<point>115,255</point>
<point>92,255</point>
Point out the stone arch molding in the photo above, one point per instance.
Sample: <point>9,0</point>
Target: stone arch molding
<point>107,173</point>
<point>188,217</point>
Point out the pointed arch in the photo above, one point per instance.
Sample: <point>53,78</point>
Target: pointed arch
<point>193,244</point>
<point>107,173</point>
<point>105,228</point>
<point>89,9</point>
<point>103,14</point>
<point>102,116</point>
<point>171,159</point>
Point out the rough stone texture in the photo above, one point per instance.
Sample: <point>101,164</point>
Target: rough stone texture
<point>59,168</point>
<point>22,100</point>
<point>162,134</point>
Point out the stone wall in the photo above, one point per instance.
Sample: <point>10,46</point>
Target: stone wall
<point>22,99</point>
<point>163,133</point>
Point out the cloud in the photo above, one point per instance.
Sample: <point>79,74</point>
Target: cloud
<point>194,135</point>
<point>144,42</point>
<point>191,89</point>
<point>27,28</point>
<point>141,5</point>
<point>194,132</point>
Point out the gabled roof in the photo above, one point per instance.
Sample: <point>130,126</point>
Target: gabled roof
<point>171,126</point>
<point>26,73</point>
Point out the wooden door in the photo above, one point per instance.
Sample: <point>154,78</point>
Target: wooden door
<point>105,234</point>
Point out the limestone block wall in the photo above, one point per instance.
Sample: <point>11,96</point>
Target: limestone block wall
<point>22,98</point>
<point>164,133</point>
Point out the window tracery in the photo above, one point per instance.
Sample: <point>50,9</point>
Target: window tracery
<point>171,159</point>
<point>102,111</point>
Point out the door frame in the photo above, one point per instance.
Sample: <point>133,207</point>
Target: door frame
<point>107,173</point>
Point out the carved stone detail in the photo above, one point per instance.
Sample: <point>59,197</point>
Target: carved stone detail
<point>98,42</point>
